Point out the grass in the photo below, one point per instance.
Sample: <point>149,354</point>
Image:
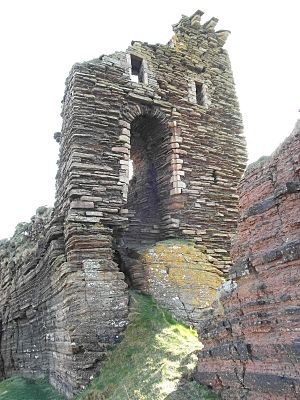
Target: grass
<point>154,361</point>
<point>18,388</point>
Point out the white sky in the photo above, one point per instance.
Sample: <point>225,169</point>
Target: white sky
<point>41,39</point>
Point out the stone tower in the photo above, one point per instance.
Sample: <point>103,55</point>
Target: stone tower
<point>169,111</point>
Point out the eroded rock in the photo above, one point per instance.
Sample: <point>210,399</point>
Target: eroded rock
<point>251,343</point>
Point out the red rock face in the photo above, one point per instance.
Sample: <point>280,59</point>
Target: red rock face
<point>252,347</point>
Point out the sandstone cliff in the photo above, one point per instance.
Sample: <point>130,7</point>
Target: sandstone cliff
<point>252,348</point>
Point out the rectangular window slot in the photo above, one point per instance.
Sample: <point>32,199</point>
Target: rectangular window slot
<point>199,94</point>
<point>137,70</point>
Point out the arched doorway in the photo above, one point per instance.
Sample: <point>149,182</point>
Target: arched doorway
<point>149,186</point>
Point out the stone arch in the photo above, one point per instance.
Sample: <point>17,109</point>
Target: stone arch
<point>147,133</point>
<point>148,191</point>
<point>149,187</point>
<point>132,111</point>
<point>144,126</point>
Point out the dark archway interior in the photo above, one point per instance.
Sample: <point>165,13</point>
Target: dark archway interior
<point>149,186</point>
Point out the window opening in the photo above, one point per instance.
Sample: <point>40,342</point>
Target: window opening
<point>214,174</point>
<point>130,169</point>
<point>137,72</point>
<point>199,93</point>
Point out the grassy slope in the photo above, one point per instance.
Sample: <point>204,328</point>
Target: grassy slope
<point>24,389</point>
<point>153,362</point>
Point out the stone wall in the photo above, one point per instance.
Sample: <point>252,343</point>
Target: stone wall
<point>50,310</point>
<point>252,348</point>
<point>170,109</point>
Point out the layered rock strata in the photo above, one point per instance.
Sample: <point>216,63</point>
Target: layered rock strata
<point>58,319</point>
<point>252,348</point>
<point>170,111</point>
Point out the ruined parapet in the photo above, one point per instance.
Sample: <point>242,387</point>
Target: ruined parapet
<point>251,349</point>
<point>170,111</point>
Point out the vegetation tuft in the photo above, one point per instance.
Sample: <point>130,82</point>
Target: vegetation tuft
<point>18,388</point>
<point>257,163</point>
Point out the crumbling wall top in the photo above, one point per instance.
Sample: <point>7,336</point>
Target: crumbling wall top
<point>192,27</point>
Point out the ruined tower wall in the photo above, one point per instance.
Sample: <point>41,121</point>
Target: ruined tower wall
<point>204,154</point>
<point>73,304</point>
<point>32,281</point>
<point>57,318</point>
<point>251,350</point>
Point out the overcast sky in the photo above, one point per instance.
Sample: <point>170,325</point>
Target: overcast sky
<point>40,40</point>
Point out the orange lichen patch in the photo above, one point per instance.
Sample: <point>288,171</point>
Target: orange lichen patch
<point>180,276</point>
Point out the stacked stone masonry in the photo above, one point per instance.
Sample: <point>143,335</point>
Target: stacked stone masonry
<point>171,112</point>
<point>252,344</point>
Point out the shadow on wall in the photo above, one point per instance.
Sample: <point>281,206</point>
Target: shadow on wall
<point>149,185</point>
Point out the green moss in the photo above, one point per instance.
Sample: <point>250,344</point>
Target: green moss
<point>155,360</point>
<point>179,242</point>
<point>18,388</point>
<point>190,274</point>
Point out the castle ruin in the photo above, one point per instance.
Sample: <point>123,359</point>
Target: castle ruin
<point>169,113</point>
